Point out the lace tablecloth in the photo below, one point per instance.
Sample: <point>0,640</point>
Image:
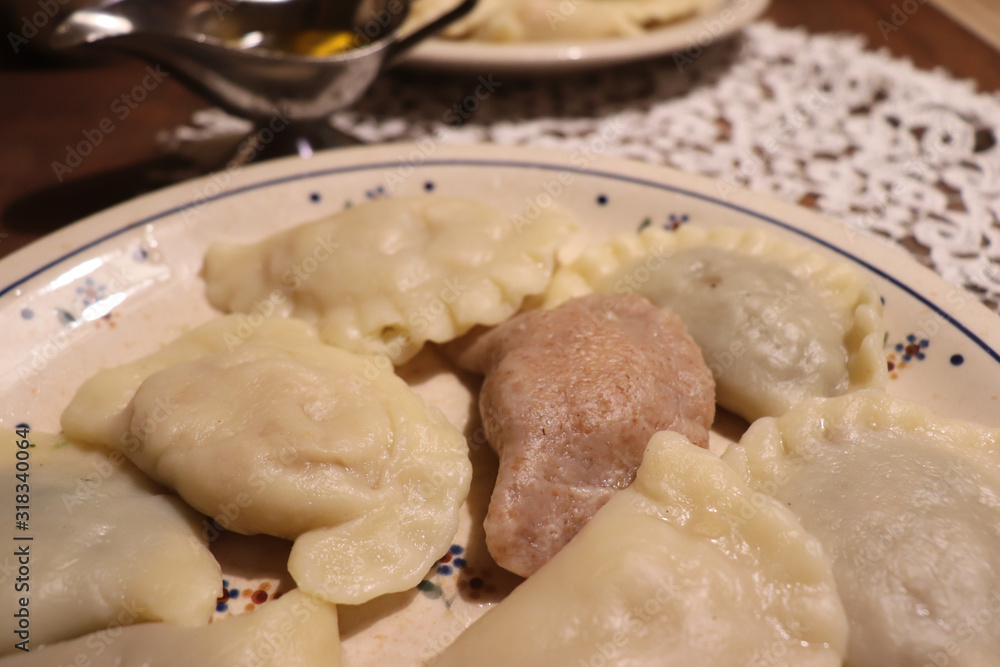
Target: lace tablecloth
<point>905,154</point>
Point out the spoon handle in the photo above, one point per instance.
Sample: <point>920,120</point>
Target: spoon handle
<point>395,49</point>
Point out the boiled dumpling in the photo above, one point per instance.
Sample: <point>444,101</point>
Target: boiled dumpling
<point>776,323</point>
<point>908,507</point>
<point>556,20</point>
<point>275,432</point>
<point>107,546</point>
<point>389,275</point>
<point>673,570</point>
<point>570,400</point>
<point>295,630</point>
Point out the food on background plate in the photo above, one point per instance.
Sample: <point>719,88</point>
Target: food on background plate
<point>776,322</point>
<point>505,21</point>
<point>389,275</point>
<point>671,571</point>
<point>107,547</point>
<point>295,630</point>
<point>906,504</point>
<point>269,430</point>
<point>570,399</point>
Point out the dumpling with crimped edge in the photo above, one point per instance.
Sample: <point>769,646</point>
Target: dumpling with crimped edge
<point>776,322</point>
<point>570,400</point>
<point>269,430</point>
<point>673,570</point>
<point>294,630</point>
<point>389,275</point>
<point>100,545</point>
<point>906,505</point>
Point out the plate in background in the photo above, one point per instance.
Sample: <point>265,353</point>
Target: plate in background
<point>484,58</point>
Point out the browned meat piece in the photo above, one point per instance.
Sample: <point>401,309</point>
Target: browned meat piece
<point>570,399</point>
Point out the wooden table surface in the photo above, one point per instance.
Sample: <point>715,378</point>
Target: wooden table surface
<point>46,107</point>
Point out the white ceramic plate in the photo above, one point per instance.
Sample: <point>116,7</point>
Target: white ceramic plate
<point>120,284</point>
<point>541,58</point>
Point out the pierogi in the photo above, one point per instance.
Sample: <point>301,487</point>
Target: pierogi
<point>776,322</point>
<point>669,572</point>
<point>854,529</point>
<point>295,630</point>
<point>555,20</point>
<point>908,507</point>
<point>269,430</point>
<point>107,547</point>
<point>570,400</point>
<point>389,275</point>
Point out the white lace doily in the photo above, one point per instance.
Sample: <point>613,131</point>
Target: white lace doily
<point>866,138</point>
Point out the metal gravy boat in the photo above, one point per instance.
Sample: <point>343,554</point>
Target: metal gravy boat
<point>233,53</point>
